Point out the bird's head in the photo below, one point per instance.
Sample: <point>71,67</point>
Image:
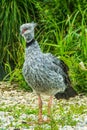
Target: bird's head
<point>27,31</point>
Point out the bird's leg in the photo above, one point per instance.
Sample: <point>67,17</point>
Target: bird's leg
<point>40,109</point>
<point>49,106</point>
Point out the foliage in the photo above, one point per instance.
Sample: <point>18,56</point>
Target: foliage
<point>20,107</point>
<point>61,30</point>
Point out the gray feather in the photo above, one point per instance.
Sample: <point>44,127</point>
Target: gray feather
<point>44,73</point>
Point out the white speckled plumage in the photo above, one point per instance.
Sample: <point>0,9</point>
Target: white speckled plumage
<point>44,73</point>
<point>41,73</point>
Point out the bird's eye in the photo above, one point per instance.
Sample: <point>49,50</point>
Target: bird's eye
<point>24,30</point>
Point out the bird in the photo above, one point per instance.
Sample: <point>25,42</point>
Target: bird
<point>45,73</point>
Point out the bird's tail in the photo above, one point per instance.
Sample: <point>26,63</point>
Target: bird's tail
<point>69,92</point>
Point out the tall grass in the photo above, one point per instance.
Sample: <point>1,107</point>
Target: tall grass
<point>61,30</point>
<point>13,14</point>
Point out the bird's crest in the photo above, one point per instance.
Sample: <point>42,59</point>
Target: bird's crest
<point>27,31</point>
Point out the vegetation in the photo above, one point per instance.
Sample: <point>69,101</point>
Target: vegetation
<point>61,30</point>
<point>65,117</point>
<point>19,110</point>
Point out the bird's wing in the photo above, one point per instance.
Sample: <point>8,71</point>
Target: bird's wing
<point>58,62</point>
<point>69,91</point>
<point>61,66</point>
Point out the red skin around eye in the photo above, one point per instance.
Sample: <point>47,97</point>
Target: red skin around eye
<point>23,30</point>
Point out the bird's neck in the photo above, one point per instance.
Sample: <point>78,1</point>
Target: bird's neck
<point>32,48</point>
<point>29,43</point>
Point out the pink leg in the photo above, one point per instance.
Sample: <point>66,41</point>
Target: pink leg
<point>49,106</point>
<point>40,119</point>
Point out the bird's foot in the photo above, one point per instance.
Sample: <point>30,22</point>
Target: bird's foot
<point>41,121</point>
<point>47,121</point>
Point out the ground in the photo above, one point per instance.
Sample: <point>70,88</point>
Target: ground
<point>19,111</point>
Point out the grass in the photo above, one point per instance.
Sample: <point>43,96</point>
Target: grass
<point>64,113</point>
<point>65,118</point>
